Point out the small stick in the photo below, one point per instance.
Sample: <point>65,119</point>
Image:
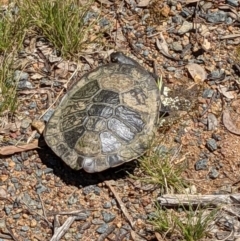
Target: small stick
<point>63,229</point>
<point>43,208</point>
<point>121,204</point>
<point>58,96</point>
<point>11,233</point>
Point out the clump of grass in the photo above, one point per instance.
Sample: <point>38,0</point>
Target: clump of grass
<point>8,100</point>
<point>12,29</point>
<point>190,225</point>
<point>67,24</point>
<point>158,169</point>
<point>71,27</point>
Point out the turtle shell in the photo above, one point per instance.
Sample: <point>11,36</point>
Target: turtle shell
<point>105,119</point>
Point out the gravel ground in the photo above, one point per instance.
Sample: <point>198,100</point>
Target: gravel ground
<point>194,46</point>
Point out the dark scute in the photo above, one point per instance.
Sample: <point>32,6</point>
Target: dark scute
<point>80,161</point>
<point>107,96</point>
<point>131,117</point>
<point>73,119</point>
<point>73,135</point>
<point>114,160</point>
<point>86,91</point>
<point>61,149</point>
<point>100,110</point>
<point>120,129</point>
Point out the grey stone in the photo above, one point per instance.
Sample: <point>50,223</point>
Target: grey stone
<point>207,93</point>
<point>177,46</point>
<point>212,122</point>
<point>216,137</point>
<point>26,123</point>
<point>103,228</point>
<point>8,209</point>
<point>72,200</point>
<point>177,19</point>
<point>32,105</point>
<point>20,76</point>
<point>201,164</point>
<point>103,22</point>
<point>41,188</point>
<point>211,145</point>
<point>107,205</point>
<point>113,201</point>
<point>39,173</point>
<point>78,236</point>
<point>81,217</point>
<point>48,170</point>
<point>186,27</point>
<point>234,3</point>
<point>24,84</point>
<point>47,115</point>
<point>91,189</point>
<point>216,17</point>
<point>213,174</point>
<point>97,221</point>
<point>16,216</point>
<point>18,167</point>
<point>14,180</point>
<point>108,217</point>
<point>171,69</point>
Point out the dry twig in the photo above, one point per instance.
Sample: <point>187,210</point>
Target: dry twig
<point>121,204</point>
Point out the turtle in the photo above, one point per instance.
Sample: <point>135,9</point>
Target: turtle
<point>107,118</point>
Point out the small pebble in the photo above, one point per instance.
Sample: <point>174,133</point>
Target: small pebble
<point>207,93</point>
<point>24,84</point>
<point>48,170</point>
<point>234,3</point>
<point>3,193</point>
<point>25,228</point>
<point>201,164</point>
<point>72,200</point>
<point>47,115</point>
<point>20,76</point>
<point>113,201</point>
<point>90,189</point>
<point>176,46</point>
<point>8,209</point>
<point>108,217</point>
<point>97,221</point>
<point>216,137</point>
<point>33,223</point>
<point>103,228</point>
<point>107,205</point>
<point>211,145</point>
<point>16,216</point>
<point>213,174</point>
<point>26,123</point>
<point>41,188</point>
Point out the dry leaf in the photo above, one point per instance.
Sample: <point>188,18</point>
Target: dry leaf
<point>36,76</point>
<point>9,150</point>
<point>228,123</point>
<point>143,3</point>
<point>206,45</point>
<point>162,46</point>
<point>223,90</point>
<point>212,121</point>
<point>197,72</point>
<point>38,125</point>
